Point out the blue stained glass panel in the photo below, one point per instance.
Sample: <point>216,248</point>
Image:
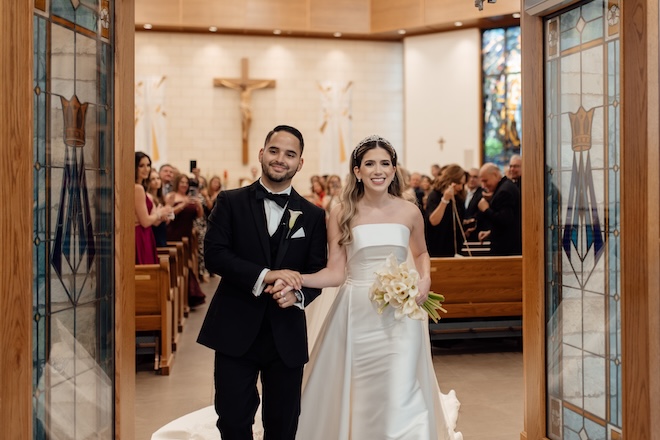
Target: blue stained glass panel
<point>569,39</point>
<point>569,19</point>
<point>73,280</point>
<point>583,312</point>
<point>592,11</point>
<point>63,9</point>
<point>592,31</point>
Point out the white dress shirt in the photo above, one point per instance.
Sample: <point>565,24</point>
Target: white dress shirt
<point>274,213</point>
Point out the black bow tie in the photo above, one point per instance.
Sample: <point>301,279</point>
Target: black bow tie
<point>280,199</point>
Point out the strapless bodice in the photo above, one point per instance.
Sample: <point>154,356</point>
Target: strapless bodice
<point>372,244</point>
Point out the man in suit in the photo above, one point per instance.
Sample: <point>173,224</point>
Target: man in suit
<point>514,173</point>
<point>472,196</point>
<point>500,206</point>
<point>256,235</point>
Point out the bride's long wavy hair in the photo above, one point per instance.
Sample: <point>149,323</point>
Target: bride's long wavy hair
<point>354,190</point>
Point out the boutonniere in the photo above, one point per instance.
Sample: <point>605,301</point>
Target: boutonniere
<point>293,217</point>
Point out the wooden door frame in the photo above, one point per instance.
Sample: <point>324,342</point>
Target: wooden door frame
<point>124,129</point>
<point>640,237</point>
<point>16,160</point>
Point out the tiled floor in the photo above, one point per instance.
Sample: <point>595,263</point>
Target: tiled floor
<point>487,376</point>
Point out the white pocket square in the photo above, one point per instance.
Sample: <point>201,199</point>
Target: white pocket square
<point>300,233</point>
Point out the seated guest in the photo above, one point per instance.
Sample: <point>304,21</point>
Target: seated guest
<point>500,206</point>
<point>472,197</point>
<point>416,185</point>
<point>426,186</point>
<point>514,172</point>
<point>444,213</point>
<point>166,173</point>
<point>317,196</point>
<point>186,210</point>
<point>333,196</point>
<point>155,192</point>
<point>146,213</point>
<point>210,193</point>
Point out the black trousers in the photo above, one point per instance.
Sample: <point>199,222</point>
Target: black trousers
<point>237,398</point>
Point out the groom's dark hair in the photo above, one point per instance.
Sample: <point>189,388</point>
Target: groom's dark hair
<point>288,129</point>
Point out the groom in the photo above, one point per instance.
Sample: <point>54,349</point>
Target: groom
<point>256,235</point>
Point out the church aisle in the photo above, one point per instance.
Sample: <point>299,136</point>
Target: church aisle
<point>486,374</point>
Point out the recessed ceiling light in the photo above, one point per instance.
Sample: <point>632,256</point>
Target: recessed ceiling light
<point>401,31</point>
<point>277,31</point>
<point>516,15</point>
<point>213,29</point>
<point>458,23</point>
<point>337,34</point>
<point>147,26</point>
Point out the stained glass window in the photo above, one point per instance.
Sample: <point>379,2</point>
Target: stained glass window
<point>73,278</point>
<point>502,97</point>
<point>583,262</point>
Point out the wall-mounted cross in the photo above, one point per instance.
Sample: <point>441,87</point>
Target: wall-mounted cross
<point>441,141</point>
<point>245,85</point>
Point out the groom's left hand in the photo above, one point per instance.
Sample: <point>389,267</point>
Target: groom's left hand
<point>280,292</point>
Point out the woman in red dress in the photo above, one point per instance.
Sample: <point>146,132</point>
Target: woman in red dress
<point>146,215</point>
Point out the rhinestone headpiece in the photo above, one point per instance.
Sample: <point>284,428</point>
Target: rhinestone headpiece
<point>373,138</point>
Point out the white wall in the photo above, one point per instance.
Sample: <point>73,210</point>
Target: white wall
<point>203,122</point>
<point>412,93</point>
<point>442,99</point>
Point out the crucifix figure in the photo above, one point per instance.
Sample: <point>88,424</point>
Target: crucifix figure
<point>441,141</point>
<point>245,85</point>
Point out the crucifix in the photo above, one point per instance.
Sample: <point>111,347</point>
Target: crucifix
<point>441,141</point>
<point>245,85</point>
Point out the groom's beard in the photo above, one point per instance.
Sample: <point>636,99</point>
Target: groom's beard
<point>274,177</point>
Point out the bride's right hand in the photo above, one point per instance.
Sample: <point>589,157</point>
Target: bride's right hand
<point>289,277</point>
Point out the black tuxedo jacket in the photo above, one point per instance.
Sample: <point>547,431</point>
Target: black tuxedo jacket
<point>237,247</point>
<point>503,216</point>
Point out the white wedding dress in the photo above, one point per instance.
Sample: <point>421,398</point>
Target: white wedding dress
<point>371,376</point>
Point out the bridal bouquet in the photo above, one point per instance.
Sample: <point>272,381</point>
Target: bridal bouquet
<point>396,286</point>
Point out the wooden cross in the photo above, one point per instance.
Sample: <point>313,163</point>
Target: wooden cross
<point>245,85</point>
<point>441,141</point>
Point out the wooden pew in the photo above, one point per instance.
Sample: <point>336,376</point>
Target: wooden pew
<point>176,279</point>
<point>194,254</point>
<point>187,258</point>
<point>483,297</point>
<point>153,307</point>
<point>183,291</point>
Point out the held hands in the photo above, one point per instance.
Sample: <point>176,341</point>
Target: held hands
<point>282,293</point>
<point>281,283</point>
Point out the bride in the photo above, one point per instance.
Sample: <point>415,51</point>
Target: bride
<point>371,376</point>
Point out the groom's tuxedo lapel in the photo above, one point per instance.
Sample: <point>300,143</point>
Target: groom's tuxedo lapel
<point>293,205</point>
<point>259,217</point>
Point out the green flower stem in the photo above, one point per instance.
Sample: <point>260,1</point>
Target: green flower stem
<point>433,304</point>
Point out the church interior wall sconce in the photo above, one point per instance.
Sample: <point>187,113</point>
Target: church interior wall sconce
<point>479,4</point>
